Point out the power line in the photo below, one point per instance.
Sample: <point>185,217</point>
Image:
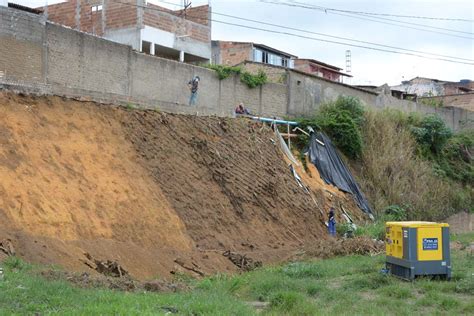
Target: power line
<point>306,37</point>
<point>307,6</point>
<point>338,37</point>
<point>402,16</point>
<point>332,36</point>
<point>325,9</point>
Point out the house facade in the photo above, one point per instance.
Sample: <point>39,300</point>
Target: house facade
<point>180,35</point>
<point>320,69</point>
<point>427,87</point>
<point>234,53</point>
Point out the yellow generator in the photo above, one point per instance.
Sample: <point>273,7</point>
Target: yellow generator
<point>417,248</point>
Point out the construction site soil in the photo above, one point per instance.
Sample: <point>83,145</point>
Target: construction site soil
<point>157,193</point>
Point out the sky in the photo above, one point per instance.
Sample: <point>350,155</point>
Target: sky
<point>369,67</point>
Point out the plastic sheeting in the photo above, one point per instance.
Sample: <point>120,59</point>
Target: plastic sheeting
<point>285,148</point>
<point>332,169</point>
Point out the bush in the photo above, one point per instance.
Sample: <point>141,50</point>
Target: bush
<point>432,134</point>
<point>252,80</point>
<point>223,71</point>
<point>396,213</point>
<point>455,160</point>
<point>342,121</point>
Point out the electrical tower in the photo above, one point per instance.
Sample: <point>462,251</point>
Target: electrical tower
<point>348,65</point>
<point>348,62</point>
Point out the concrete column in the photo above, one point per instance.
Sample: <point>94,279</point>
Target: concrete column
<point>104,7</point>
<point>181,56</point>
<point>45,11</point>
<point>152,48</point>
<point>78,15</point>
<point>140,9</point>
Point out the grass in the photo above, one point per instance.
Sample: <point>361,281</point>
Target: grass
<point>343,285</point>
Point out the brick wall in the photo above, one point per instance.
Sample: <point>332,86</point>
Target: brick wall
<point>464,101</point>
<point>173,22</point>
<point>120,15</point>
<point>274,74</point>
<point>453,88</point>
<point>311,68</point>
<point>81,16</point>
<point>231,53</point>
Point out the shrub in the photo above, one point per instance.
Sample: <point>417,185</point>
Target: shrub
<point>223,71</point>
<point>252,80</point>
<point>396,213</point>
<point>432,134</point>
<point>342,121</point>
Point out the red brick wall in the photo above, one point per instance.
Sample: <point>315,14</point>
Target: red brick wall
<point>198,14</point>
<point>307,66</point>
<point>123,14</point>
<point>117,15</point>
<point>63,13</point>
<point>173,22</point>
<point>453,88</point>
<point>302,65</point>
<point>231,53</point>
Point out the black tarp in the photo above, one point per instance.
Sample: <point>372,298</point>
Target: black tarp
<point>333,170</point>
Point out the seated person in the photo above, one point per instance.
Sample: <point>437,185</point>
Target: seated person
<point>240,109</point>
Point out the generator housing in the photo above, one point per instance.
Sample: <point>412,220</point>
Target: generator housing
<point>417,249</point>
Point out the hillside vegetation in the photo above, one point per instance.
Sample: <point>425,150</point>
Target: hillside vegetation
<point>415,163</point>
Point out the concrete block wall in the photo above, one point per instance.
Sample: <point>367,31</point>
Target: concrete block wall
<point>78,60</point>
<point>66,62</point>
<point>21,46</point>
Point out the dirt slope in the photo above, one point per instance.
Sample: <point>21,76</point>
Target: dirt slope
<point>146,188</point>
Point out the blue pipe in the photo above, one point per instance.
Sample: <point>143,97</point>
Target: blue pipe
<point>269,120</point>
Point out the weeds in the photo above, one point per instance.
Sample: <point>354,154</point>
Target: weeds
<point>329,286</point>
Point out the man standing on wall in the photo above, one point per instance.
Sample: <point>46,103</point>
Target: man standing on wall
<point>193,86</point>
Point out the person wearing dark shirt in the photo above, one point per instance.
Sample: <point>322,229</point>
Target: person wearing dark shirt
<point>193,86</point>
<point>332,223</point>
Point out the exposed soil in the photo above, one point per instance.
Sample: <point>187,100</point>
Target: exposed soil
<point>155,193</point>
<point>342,247</point>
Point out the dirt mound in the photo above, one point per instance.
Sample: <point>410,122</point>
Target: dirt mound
<point>343,247</point>
<point>146,189</point>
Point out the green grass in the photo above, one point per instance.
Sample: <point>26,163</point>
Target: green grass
<point>343,285</point>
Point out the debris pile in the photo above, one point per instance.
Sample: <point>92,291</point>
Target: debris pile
<point>343,247</point>
<point>242,261</point>
<point>6,247</point>
<point>107,267</point>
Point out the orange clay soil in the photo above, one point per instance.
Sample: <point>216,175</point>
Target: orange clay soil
<point>156,192</point>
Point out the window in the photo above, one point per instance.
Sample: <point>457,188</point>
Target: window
<point>257,55</point>
<point>96,8</point>
<point>146,47</point>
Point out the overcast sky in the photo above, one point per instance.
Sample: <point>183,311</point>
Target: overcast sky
<point>368,66</point>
